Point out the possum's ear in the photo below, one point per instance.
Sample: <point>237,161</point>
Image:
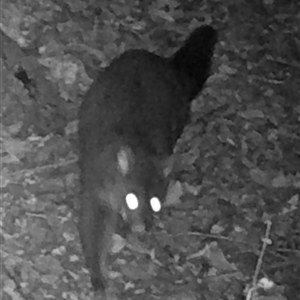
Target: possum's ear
<point>125,160</point>
<point>171,164</point>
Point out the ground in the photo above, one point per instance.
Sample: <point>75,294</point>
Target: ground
<point>233,212</point>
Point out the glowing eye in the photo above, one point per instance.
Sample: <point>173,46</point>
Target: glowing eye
<point>155,204</point>
<point>132,201</point>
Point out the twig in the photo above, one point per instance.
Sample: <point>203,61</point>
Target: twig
<point>266,241</point>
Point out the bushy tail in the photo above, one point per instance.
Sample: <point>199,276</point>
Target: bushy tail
<point>194,57</point>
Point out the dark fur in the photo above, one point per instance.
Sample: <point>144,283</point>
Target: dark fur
<point>140,101</point>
